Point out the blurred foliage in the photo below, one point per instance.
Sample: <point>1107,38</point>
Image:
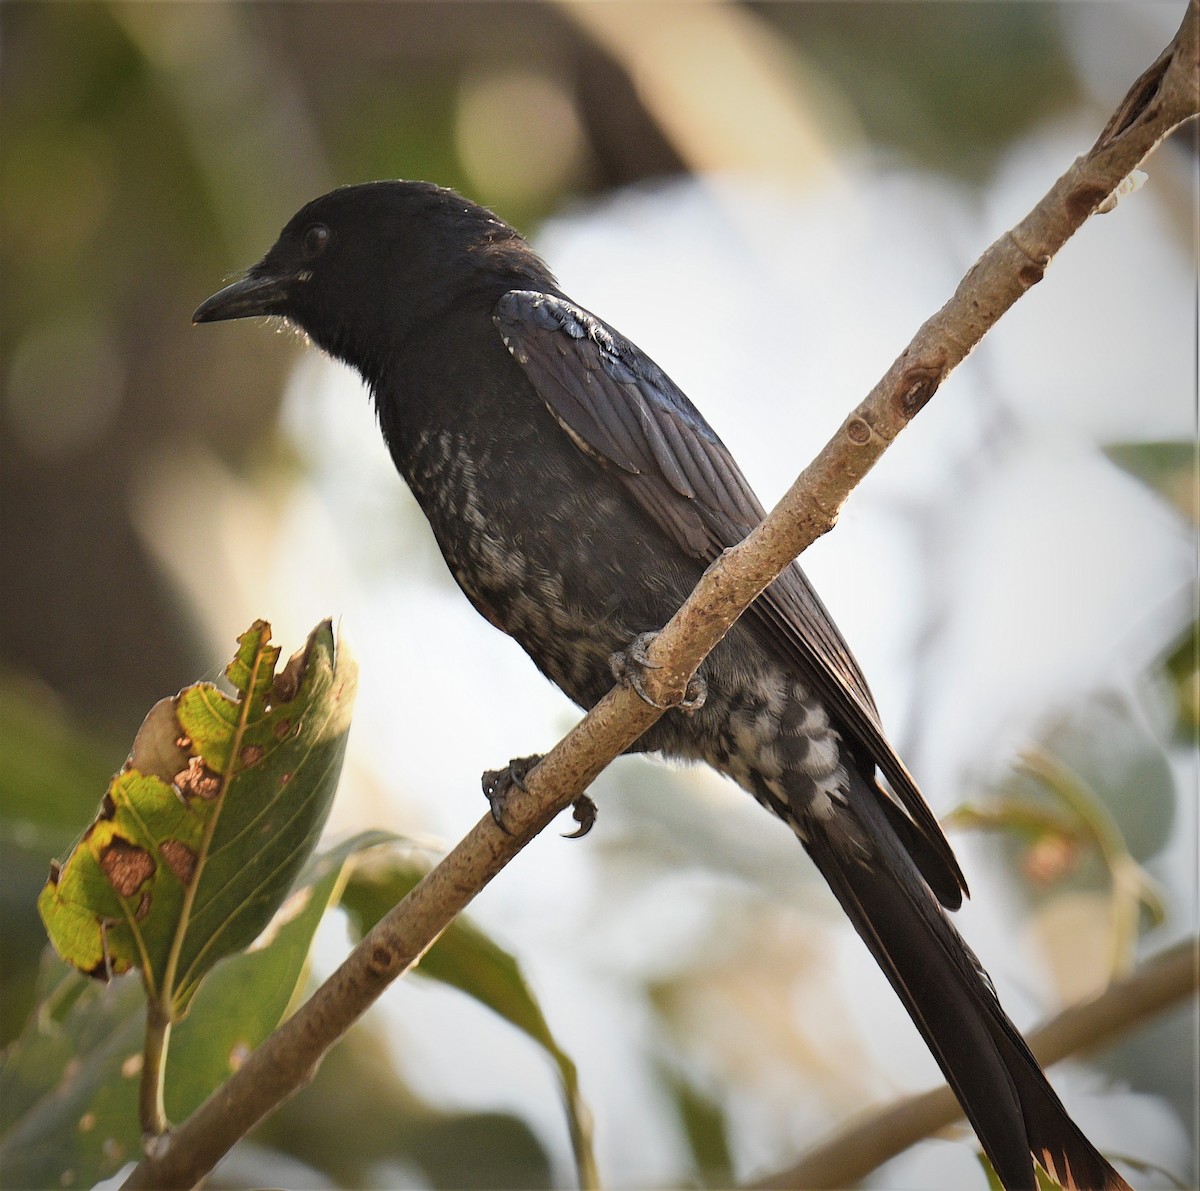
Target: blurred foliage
<point>362,1126</point>
<point>1172,470</point>
<point>361,1095</point>
<point>705,1126</point>
<point>466,959</point>
<point>1108,752</point>
<point>69,1083</point>
<point>50,770</point>
<point>1072,825</point>
<point>1045,1182</point>
<point>149,149</point>
<point>83,1044</point>
<point>1182,669</point>
<point>948,84</point>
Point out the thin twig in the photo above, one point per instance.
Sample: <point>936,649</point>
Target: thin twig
<point>860,1147</point>
<point>1163,98</point>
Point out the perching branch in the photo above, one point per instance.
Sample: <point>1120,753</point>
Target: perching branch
<point>1162,99</point>
<point>856,1150</point>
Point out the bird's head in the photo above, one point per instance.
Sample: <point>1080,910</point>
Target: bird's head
<point>359,268</point>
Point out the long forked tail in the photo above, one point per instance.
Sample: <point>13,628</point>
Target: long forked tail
<point>1015,1113</point>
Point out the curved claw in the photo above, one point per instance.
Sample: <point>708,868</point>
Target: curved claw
<point>584,811</point>
<point>695,695</point>
<point>629,665</point>
<point>639,651</point>
<point>498,784</point>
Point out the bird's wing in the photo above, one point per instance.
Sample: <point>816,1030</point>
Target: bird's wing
<point>619,407</point>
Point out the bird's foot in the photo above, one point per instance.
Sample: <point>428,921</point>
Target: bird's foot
<point>629,668</point>
<point>583,810</point>
<point>498,784</point>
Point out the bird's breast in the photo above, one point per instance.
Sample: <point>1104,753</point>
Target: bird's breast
<point>559,560</point>
<point>539,552</point>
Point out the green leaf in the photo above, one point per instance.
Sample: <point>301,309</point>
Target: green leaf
<point>256,990</point>
<point>1182,667</point>
<point>1167,467</point>
<point>69,1084</point>
<point>205,829</point>
<point>1087,802</point>
<point>48,763</point>
<point>705,1126</point>
<point>359,1118</point>
<point>993,1179</point>
<point>1045,1182</point>
<point>466,959</point>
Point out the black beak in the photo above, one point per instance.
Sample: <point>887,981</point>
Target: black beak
<point>244,299</point>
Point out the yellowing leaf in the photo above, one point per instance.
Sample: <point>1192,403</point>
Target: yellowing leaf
<point>204,830</point>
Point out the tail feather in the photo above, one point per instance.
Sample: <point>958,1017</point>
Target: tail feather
<point>1015,1113</point>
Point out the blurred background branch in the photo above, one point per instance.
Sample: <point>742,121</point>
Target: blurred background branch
<point>1129,1002</point>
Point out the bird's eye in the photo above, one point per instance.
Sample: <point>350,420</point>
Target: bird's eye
<point>315,239</point>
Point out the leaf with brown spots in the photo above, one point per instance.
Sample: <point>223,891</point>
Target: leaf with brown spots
<point>126,866</point>
<point>202,833</point>
<point>69,1082</point>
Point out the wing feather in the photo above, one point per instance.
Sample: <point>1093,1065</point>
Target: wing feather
<point>618,406</point>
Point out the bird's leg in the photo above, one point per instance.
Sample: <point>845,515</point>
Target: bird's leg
<point>630,665</point>
<point>498,784</point>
